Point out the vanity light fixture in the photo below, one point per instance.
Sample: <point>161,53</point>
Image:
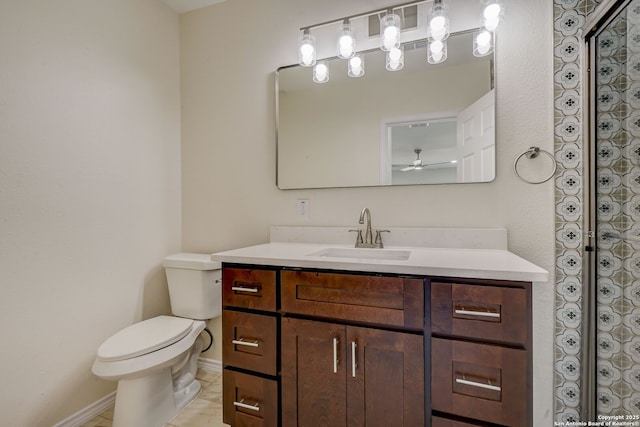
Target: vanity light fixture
<point>321,72</point>
<point>307,49</point>
<point>355,67</point>
<point>437,30</point>
<point>346,41</point>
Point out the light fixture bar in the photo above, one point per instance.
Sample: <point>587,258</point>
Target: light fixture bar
<point>365,14</point>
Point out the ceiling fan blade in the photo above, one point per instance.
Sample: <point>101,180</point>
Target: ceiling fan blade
<point>439,163</point>
<point>408,168</point>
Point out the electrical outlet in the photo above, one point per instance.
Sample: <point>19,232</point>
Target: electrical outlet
<point>303,208</point>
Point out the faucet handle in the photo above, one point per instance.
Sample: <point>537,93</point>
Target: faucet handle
<point>359,239</point>
<point>378,241</point>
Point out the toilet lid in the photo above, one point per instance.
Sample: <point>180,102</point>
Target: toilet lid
<point>144,337</point>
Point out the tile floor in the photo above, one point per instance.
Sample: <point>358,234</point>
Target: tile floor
<point>204,411</point>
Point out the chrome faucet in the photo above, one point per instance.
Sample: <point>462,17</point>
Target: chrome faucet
<point>367,241</point>
<point>368,235</point>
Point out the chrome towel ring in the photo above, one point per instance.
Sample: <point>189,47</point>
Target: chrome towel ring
<point>532,153</point>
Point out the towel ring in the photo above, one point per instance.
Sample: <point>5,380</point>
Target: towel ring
<point>532,153</point>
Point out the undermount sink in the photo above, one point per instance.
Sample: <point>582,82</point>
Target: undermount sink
<point>357,253</point>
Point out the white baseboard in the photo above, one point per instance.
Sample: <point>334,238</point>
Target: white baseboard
<point>211,365</point>
<point>109,400</point>
<point>89,412</point>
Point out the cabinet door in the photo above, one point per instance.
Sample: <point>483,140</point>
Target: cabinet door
<point>313,375</point>
<point>385,378</point>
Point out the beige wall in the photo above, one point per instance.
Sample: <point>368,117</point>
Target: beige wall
<point>229,54</point>
<point>89,190</point>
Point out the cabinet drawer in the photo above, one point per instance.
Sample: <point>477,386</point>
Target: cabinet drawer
<point>249,288</point>
<point>485,312</point>
<point>249,401</point>
<point>249,341</point>
<point>393,301</point>
<point>480,381</point>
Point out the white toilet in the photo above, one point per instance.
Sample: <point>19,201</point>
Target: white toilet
<point>155,361</point>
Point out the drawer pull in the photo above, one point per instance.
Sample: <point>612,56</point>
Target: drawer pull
<point>242,341</point>
<point>478,313</point>
<point>480,385</point>
<point>241,404</point>
<point>354,364</point>
<point>243,289</point>
<point>335,355</point>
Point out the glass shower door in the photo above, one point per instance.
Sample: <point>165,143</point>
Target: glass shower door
<point>615,183</point>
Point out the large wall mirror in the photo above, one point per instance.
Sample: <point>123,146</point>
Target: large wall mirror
<point>424,124</point>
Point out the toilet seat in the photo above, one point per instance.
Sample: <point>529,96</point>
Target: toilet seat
<point>144,337</point>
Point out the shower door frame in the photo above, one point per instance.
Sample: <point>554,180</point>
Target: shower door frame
<point>604,14</point>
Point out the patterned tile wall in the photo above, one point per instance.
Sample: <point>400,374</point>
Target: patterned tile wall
<point>569,18</point>
<point>618,210</point>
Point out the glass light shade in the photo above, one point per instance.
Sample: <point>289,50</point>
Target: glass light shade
<point>355,68</point>
<point>389,32</point>
<point>307,50</point>
<point>436,51</point>
<point>482,43</point>
<point>492,14</point>
<point>395,59</point>
<point>321,72</point>
<point>346,42</point>
<point>438,28</point>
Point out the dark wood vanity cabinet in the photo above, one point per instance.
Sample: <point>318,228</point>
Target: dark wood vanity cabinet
<point>321,348</point>
<point>357,372</point>
<point>481,353</point>
<point>250,347</point>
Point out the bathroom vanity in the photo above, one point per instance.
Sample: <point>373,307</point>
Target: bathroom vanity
<point>318,334</point>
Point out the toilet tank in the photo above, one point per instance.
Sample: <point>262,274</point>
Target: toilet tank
<point>195,285</point>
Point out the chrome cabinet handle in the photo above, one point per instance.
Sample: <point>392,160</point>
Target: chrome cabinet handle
<point>479,385</point>
<point>478,313</point>
<point>243,289</point>
<point>354,364</point>
<point>242,341</point>
<point>241,404</point>
<point>335,355</point>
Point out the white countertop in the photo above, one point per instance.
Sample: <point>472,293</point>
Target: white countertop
<point>497,264</point>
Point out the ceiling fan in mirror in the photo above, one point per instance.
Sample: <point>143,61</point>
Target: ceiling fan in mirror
<point>418,164</point>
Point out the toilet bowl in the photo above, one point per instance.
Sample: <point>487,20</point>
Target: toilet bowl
<point>155,361</point>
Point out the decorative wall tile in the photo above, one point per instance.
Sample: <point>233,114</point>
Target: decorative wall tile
<point>569,208</point>
<point>569,340</point>
<point>569,22</point>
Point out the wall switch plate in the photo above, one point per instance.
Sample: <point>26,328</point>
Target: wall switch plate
<point>303,208</point>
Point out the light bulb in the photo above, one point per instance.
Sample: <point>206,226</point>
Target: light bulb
<point>320,73</point>
<point>437,51</point>
<point>307,50</point>
<point>438,28</point>
<point>395,54</point>
<point>345,47</point>
<point>355,67</point>
<point>492,11</point>
<point>390,25</point>
<point>436,46</point>
<point>346,41</point>
<point>395,59</point>
<point>482,43</point>
<point>491,15</point>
